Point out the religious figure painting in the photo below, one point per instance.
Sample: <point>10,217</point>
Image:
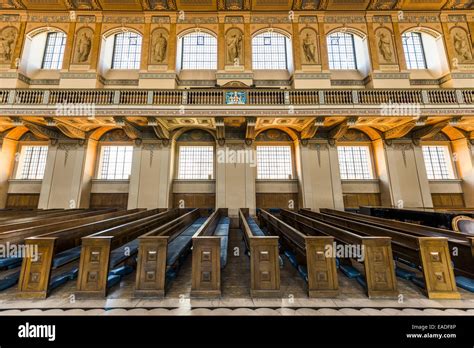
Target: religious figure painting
<point>159,46</point>
<point>83,47</point>
<point>7,44</point>
<point>309,50</point>
<point>462,47</point>
<point>385,50</point>
<point>234,47</point>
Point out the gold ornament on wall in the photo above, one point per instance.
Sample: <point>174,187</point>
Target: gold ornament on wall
<point>8,38</point>
<point>309,46</point>
<point>159,46</point>
<point>462,47</point>
<point>83,46</point>
<point>234,47</point>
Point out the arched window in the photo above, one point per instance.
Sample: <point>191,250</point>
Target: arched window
<point>270,50</point>
<point>341,51</point>
<point>198,51</point>
<point>414,50</point>
<point>127,51</point>
<point>54,51</point>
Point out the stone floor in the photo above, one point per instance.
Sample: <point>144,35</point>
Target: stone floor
<point>235,299</point>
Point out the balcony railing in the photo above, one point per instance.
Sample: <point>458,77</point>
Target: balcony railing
<point>236,97</point>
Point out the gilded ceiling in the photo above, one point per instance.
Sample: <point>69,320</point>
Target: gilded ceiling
<point>236,5</point>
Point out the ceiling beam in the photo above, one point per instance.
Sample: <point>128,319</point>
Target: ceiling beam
<point>250,129</point>
<point>399,131</point>
<point>41,132</point>
<point>429,131</point>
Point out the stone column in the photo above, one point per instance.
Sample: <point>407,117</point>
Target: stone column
<point>397,37</point>
<point>372,42</point>
<point>296,44</point>
<point>235,180</point>
<point>9,148</point>
<point>67,180</point>
<point>68,50</point>
<point>323,45</point>
<point>403,175</point>
<point>319,178</point>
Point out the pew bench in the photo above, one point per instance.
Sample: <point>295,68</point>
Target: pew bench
<point>61,247</point>
<point>210,245</point>
<point>264,257</point>
<point>378,277</point>
<point>429,254</point>
<point>161,252</point>
<point>117,245</point>
<point>307,255</point>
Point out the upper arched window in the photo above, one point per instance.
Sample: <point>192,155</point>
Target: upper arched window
<point>127,51</point>
<point>270,50</point>
<point>414,50</point>
<point>54,51</point>
<point>198,51</point>
<point>341,51</point>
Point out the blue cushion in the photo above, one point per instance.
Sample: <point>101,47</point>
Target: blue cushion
<point>121,271</point>
<point>274,210</point>
<point>117,256</point>
<point>465,283</point>
<point>292,258</point>
<point>222,230</point>
<point>349,271</point>
<point>418,282</point>
<point>303,271</point>
<point>113,280</point>
<point>361,280</point>
<point>183,242</point>
<point>402,273</point>
<point>406,262</point>
<point>9,280</point>
<point>67,256</point>
<point>10,262</point>
<point>254,228</point>
<point>338,263</point>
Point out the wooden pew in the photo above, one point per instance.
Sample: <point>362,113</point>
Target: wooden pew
<point>161,250</point>
<point>210,254</point>
<point>264,261</point>
<point>61,247</point>
<point>379,276</point>
<point>19,235</point>
<point>104,251</point>
<point>430,253</point>
<point>310,252</point>
<point>49,219</point>
<point>421,216</point>
<point>462,243</point>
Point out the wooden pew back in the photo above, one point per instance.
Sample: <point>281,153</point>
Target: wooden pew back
<point>322,273</point>
<point>264,262</point>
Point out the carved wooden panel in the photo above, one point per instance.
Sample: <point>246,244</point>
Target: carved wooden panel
<point>448,200</point>
<point>22,200</point>
<point>109,200</point>
<point>277,200</point>
<point>194,200</point>
<point>355,200</point>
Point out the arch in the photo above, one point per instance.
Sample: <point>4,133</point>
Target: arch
<point>349,30</point>
<point>370,132</point>
<point>453,133</point>
<point>118,30</point>
<point>116,134</point>
<point>421,29</point>
<point>290,132</point>
<point>197,50</point>
<point>177,133</point>
<point>185,32</point>
<point>49,29</point>
<point>271,29</point>
<point>97,133</point>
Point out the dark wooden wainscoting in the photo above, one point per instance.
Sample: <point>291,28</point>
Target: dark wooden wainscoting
<point>195,200</point>
<point>277,200</point>
<point>448,200</point>
<point>355,200</point>
<point>109,200</point>
<point>22,200</point>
